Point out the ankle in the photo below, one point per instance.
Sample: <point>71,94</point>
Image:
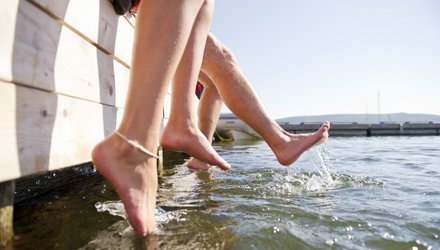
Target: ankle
<point>279,143</point>
<point>126,151</point>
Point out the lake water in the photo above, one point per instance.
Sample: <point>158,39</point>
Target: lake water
<point>350,193</point>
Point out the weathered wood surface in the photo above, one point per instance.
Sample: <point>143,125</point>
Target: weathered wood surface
<point>64,69</point>
<point>96,21</point>
<point>39,52</point>
<point>44,131</point>
<point>64,73</point>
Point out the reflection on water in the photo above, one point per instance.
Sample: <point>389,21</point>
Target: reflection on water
<point>351,193</point>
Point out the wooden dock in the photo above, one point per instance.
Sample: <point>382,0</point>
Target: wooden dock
<point>64,74</point>
<point>375,129</point>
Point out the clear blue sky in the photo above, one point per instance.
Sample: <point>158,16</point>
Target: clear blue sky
<point>327,57</point>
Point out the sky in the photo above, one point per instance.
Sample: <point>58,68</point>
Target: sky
<point>315,57</point>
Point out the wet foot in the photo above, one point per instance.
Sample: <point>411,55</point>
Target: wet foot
<point>296,144</point>
<point>134,176</point>
<point>197,164</point>
<point>192,142</point>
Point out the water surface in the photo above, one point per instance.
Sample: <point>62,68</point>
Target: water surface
<point>350,193</point>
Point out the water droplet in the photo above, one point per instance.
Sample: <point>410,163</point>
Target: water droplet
<point>329,242</point>
<point>387,236</point>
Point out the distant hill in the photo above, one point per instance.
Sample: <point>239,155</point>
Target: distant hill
<point>363,118</point>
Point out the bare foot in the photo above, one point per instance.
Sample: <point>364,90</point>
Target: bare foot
<point>296,144</point>
<point>197,164</point>
<point>193,142</point>
<point>134,176</point>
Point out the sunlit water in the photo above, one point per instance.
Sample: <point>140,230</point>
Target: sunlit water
<point>350,193</point>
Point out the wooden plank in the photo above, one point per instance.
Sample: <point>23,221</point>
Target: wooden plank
<point>39,52</point>
<point>9,161</point>
<point>60,92</point>
<point>8,16</point>
<point>45,131</point>
<point>97,21</point>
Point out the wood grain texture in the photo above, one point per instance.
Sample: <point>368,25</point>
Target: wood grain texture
<point>64,74</point>
<point>45,131</point>
<point>97,21</point>
<point>39,52</point>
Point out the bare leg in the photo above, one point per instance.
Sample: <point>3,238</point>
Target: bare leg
<point>220,64</point>
<point>208,113</point>
<point>181,132</point>
<point>163,30</point>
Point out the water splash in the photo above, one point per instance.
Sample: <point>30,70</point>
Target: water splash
<point>318,172</point>
<point>116,208</point>
<point>314,171</point>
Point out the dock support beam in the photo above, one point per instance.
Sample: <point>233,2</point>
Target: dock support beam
<point>7,190</point>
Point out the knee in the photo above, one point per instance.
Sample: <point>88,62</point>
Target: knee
<point>217,56</point>
<point>228,58</point>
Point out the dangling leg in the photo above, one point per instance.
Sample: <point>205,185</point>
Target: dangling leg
<point>162,32</point>
<point>221,66</point>
<point>181,132</point>
<point>209,108</point>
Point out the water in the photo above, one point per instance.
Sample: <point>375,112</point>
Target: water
<point>350,193</point>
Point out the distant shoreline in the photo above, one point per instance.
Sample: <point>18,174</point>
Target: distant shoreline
<point>368,129</point>
<point>398,124</point>
<point>363,118</point>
